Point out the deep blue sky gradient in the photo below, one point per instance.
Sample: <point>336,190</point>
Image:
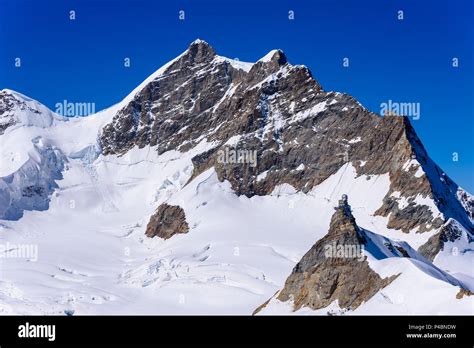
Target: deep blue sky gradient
<point>405,61</point>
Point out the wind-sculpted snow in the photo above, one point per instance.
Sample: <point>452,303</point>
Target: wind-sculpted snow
<point>18,110</point>
<point>30,187</point>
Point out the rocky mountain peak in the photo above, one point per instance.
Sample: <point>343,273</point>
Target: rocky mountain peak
<point>412,174</point>
<point>282,114</point>
<point>10,100</point>
<point>343,221</point>
<point>16,108</point>
<point>223,128</point>
<point>334,269</point>
<point>199,51</point>
<point>275,56</point>
<point>272,62</point>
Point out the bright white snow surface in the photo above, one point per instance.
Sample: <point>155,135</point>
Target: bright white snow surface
<point>94,258</point>
<point>268,57</point>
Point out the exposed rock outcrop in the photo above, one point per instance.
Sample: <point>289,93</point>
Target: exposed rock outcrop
<point>16,109</point>
<point>282,114</point>
<point>450,232</point>
<point>334,269</point>
<point>462,293</point>
<point>167,221</point>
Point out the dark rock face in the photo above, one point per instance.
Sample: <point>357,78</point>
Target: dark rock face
<point>323,276</point>
<point>7,103</point>
<point>281,113</point>
<point>467,202</point>
<point>450,232</point>
<point>32,190</point>
<point>18,109</point>
<point>181,97</point>
<point>167,221</point>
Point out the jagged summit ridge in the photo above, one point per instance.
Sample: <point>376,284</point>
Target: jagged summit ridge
<point>18,109</point>
<point>199,51</point>
<point>148,174</point>
<point>199,41</point>
<point>281,112</point>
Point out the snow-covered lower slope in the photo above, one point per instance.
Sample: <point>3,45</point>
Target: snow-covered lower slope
<point>457,257</point>
<point>93,256</point>
<point>37,149</point>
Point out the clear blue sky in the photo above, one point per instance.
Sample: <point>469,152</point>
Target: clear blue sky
<point>405,61</point>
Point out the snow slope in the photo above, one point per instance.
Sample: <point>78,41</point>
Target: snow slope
<point>94,258</point>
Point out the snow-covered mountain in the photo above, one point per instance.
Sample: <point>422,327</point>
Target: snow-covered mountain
<point>211,189</point>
